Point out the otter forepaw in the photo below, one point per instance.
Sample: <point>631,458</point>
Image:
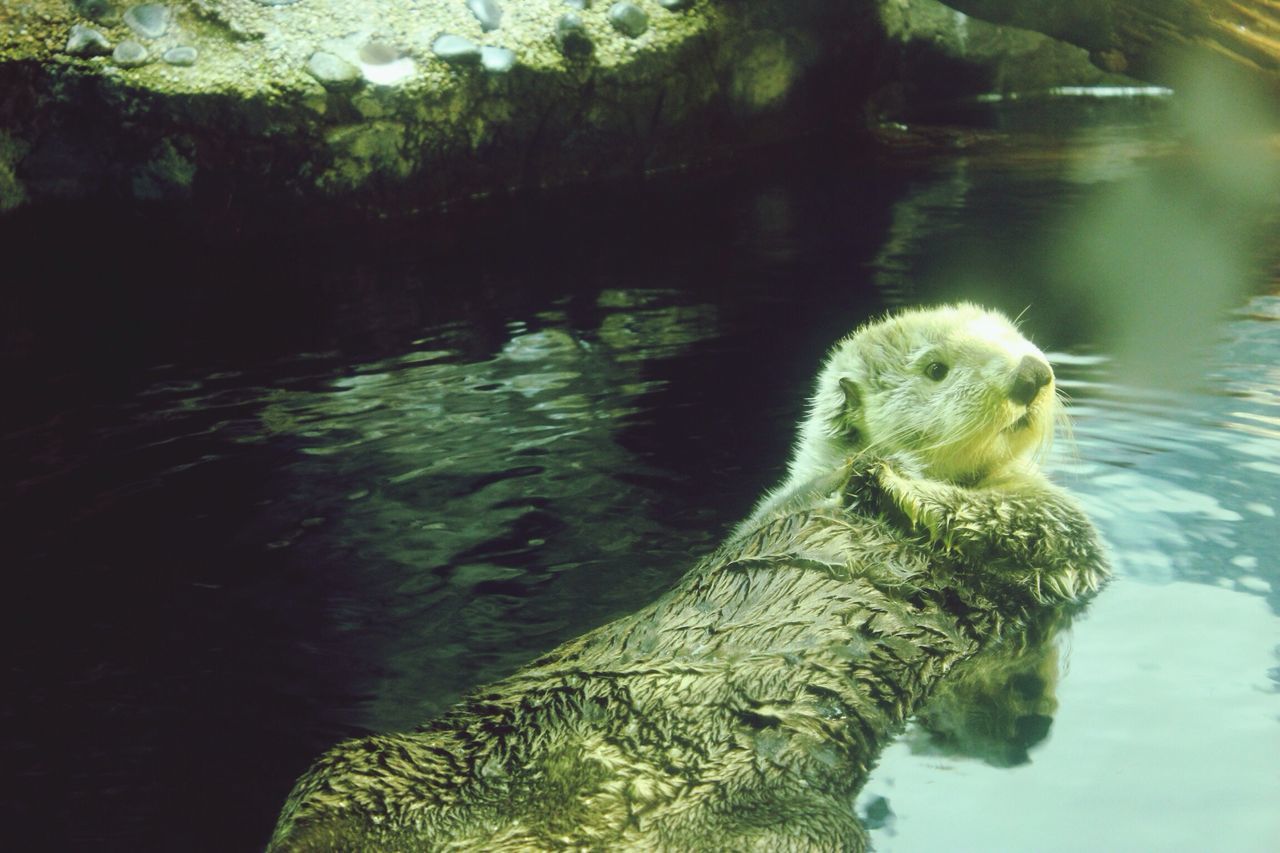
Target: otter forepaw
<point>861,488</point>
<point>926,506</point>
<point>866,485</point>
<point>897,489</point>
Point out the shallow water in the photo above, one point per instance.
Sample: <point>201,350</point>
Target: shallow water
<point>267,496</point>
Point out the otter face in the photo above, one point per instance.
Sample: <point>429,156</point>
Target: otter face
<point>956,390</point>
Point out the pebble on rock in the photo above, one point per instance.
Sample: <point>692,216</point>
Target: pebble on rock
<point>183,55</point>
<point>96,9</point>
<point>487,12</point>
<point>628,19</point>
<point>456,50</point>
<point>378,53</point>
<point>86,41</point>
<point>572,37</point>
<point>150,20</point>
<point>499,60</point>
<point>391,73</point>
<point>675,5</point>
<point>333,72</point>
<point>578,4</point>
<point>130,54</point>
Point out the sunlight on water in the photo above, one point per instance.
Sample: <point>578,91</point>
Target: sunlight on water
<point>1165,712</point>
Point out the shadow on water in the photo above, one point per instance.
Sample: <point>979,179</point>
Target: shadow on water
<point>267,495</point>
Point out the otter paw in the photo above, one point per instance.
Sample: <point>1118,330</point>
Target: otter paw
<point>893,486</point>
<point>859,488</point>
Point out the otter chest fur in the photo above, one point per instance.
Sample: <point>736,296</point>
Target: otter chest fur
<point>744,709</point>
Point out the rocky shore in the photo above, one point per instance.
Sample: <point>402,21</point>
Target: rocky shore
<point>389,106</point>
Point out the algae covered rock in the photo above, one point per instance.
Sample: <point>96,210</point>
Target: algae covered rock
<point>396,106</point>
<point>12,192</point>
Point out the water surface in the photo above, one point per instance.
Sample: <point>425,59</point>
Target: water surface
<point>268,495</point>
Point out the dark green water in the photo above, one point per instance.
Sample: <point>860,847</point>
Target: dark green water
<point>264,496</point>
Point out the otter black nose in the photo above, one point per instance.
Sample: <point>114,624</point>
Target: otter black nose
<point>1033,374</point>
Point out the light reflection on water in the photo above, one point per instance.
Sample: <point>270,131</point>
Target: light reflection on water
<point>288,552</point>
<point>472,486</point>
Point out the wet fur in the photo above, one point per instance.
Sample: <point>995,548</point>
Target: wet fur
<point>744,709</point>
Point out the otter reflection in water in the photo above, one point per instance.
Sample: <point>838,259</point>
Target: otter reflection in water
<point>1000,704</point>
<point>744,709</point>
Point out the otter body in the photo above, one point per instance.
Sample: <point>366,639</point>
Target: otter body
<point>745,708</point>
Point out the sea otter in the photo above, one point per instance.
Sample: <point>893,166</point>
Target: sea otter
<point>955,394</point>
<point>744,709</point>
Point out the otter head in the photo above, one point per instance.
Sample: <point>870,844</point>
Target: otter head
<point>956,391</point>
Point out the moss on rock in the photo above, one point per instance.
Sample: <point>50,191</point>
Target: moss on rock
<point>410,128</point>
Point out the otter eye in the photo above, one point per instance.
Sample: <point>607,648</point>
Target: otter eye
<point>937,371</point>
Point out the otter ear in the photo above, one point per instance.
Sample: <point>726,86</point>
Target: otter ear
<point>852,396</point>
<point>846,423</point>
